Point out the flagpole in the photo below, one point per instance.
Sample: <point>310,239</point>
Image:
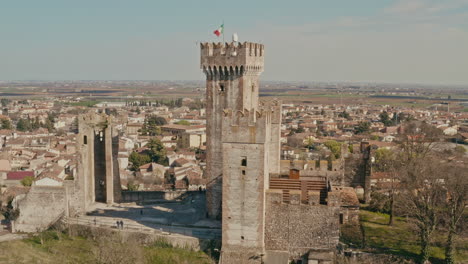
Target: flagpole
<point>223,31</point>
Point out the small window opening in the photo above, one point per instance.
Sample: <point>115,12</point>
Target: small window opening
<point>85,140</point>
<point>341,219</point>
<point>242,237</point>
<point>221,87</point>
<point>243,172</point>
<point>244,161</point>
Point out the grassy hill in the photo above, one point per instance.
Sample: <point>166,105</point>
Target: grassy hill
<point>375,235</point>
<point>55,247</point>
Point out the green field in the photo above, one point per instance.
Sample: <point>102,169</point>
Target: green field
<point>400,239</point>
<point>55,247</point>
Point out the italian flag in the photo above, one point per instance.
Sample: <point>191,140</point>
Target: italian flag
<point>219,31</point>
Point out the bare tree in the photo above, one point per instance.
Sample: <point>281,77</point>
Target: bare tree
<point>421,189</point>
<point>420,198</point>
<point>456,183</point>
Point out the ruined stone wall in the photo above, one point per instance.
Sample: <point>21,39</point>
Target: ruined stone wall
<point>274,151</point>
<point>41,206</point>
<point>148,196</point>
<point>98,173</point>
<point>298,228</point>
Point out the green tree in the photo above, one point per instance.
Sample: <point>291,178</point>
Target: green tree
<point>334,147</point>
<point>344,114</point>
<point>48,125</point>
<point>183,122</point>
<point>131,186</point>
<point>362,128</point>
<point>157,151</point>
<point>36,124</point>
<point>385,118</point>
<point>6,124</point>
<point>27,181</point>
<point>4,102</point>
<point>23,125</point>
<point>138,159</point>
<point>460,150</point>
<point>309,142</point>
<point>383,159</point>
<point>151,125</point>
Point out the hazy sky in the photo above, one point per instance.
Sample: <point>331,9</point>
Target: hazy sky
<point>306,40</point>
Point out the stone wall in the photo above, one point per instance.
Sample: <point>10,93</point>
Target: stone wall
<point>243,195</point>
<point>145,237</point>
<point>42,206</point>
<point>297,227</point>
<point>149,196</point>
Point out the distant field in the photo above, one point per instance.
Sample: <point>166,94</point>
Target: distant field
<point>85,103</point>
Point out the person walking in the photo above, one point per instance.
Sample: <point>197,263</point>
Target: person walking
<point>121,224</point>
<point>118,224</point>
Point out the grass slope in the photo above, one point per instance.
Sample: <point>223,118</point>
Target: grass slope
<point>399,239</point>
<point>53,247</point>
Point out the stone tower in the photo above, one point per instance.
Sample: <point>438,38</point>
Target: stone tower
<point>243,146</point>
<point>232,78</point>
<point>98,168</point>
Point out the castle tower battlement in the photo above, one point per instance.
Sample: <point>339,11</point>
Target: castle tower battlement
<point>242,144</point>
<point>250,127</point>
<point>243,58</point>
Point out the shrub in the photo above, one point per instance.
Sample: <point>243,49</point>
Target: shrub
<point>27,181</point>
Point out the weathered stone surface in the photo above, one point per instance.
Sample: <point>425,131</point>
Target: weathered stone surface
<point>243,146</point>
<point>41,206</point>
<point>299,228</point>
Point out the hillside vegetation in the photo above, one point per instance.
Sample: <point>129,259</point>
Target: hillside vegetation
<point>55,247</point>
<point>374,235</point>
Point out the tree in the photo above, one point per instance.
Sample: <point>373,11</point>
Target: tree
<point>4,102</point>
<point>7,209</point>
<point>157,151</point>
<point>456,185</point>
<point>385,118</point>
<point>344,114</point>
<point>309,142</point>
<point>23,125</point>
<point>48,125</point>
<point>362,128</point>
<point>6,124</point>
<point>351,148</point>
<point>334,147</point>
<point>420,198</point>
<point>27,181</point>
<point>151,125</point>
<point>138,159</point>
<point>183,122</point>
<point>421,190</point>
<point>386,161</point>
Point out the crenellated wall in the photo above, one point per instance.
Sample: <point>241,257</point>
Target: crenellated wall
<point>243,146</point>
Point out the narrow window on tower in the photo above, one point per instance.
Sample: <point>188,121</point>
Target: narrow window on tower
<point>244,161</point>
<point>85,140</point>
<point>253,88</point>
<point>221,87</point>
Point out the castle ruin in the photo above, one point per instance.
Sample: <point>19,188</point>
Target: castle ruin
<point>265,218</point>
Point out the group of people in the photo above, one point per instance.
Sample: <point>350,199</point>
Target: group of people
<point>120,224</point>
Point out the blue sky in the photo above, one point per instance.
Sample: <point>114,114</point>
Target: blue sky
<point>419,41</point>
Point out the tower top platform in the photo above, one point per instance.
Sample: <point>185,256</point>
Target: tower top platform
<point>232,54</point>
